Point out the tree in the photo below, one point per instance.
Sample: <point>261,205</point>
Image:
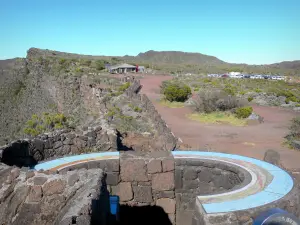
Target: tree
<point>177,92</point>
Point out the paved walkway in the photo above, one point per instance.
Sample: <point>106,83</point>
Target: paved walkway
<point>252,141</point>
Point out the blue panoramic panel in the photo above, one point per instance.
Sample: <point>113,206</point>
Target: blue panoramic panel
<point>61,161</point>
<point>281,184</point>
<point>251,201</point>
<point>50,164</point>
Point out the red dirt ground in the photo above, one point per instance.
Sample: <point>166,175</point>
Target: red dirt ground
<point>252,141</point>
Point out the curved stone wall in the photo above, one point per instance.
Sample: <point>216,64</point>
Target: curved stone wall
<point>192,187</point>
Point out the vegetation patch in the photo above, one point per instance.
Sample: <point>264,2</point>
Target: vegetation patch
<point>45,123</point>
<point>176,92</point>
<point>218,118</point>
<point>171,104</point>
<point>208,101</point>
<point>243,112</point>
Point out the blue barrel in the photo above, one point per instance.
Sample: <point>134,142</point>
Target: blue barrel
<point>114,206</point>
<point>276,216</point>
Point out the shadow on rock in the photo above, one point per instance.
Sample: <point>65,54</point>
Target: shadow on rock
<point>146,215</point>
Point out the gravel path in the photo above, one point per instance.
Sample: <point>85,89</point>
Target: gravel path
<point>251,141</point>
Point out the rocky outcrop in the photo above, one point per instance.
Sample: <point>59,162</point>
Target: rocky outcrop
<point>31,197</point>
<point>165,136</point>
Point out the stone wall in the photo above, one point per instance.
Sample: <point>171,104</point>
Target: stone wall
<point>147,180</point>
<point>203,177</point>
<point>60,143</point>
<point>163,131</point>
<point>31,197</point>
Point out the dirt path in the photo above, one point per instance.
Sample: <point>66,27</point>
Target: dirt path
<point>250,141</point>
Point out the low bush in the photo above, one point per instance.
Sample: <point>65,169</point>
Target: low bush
<point>229,89</point>
<point>124,87</point>
<point>243,112</point>
<point>295,128</point>
<point>177,92</point>
<point>208,101</point>
<point>291,99</point>
<point>250,99</point>
<point>47,122</point>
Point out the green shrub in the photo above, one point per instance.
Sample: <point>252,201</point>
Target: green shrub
<point>285,93</point>
<point>243,112</point>
<point>86,62</point>
<point>137,109</point>
<point>78,70</point>
<point>242,92</point>
<point>208,101</point>
<point>257,90</point>
<point>177,92</point>
<point>295,128</point>
<point>62,61</point>
<point>124,87</point>
<point>291,99</point>
<point>229,89</point>
<point>100,64</point>
<point>47,122</point>
<point>250,99</point>
<point>196,89</point>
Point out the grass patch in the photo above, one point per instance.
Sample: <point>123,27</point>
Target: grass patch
<point>217,118</point>
<point>172,104</point>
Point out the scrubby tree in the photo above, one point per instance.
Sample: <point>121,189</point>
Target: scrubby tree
<point>176,92</point>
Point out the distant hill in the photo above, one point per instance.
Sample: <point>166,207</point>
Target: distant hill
<point>176,57</point>
<point>288,65</point>
<point>176,61</point>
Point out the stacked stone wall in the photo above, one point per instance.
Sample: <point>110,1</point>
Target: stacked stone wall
<point>60,143</point>
<point>146,180</point>
<point>32,197</point>
<point>203,177</point>
<point>163,131</point>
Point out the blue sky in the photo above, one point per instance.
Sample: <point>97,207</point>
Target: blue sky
<point>255,32</point>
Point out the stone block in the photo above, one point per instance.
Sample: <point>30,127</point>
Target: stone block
<point>57,144</point>
<point>73,178</point>
<point>68,141</point>
<point>163,181</point>
<point>205,176</point>
<point>168,165</point>
<point>172,218</point>
<point>223,181</point>
<point>178,178</point>
<point>154,166</point>
<point>194,162</point>
<point>15,172</point>
<point>125,191</point>
<point>29,174</point>
<point>184,217</point>
<point>164,194</point>
<point>54,187</point>
<point>70,136</point>
<point>142,194</point>
<point>133,170</point>
<point>35,194</point>
<point>190,174</point>
<point>79,143</point>
<point>144,183</point>
<point>167,204</point>
<point>112,178</point>
<point>39,180</point>
<point>38,144</point>
<point>113,165</point>
<point>272,157</point>
<point>190,184</point>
